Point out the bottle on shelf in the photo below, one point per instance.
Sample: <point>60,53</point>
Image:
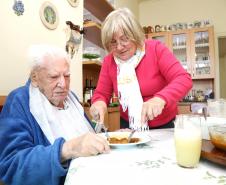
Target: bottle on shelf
<point>91,87</point>
<point>87,96</point>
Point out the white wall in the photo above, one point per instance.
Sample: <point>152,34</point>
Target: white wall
<point>165,12</point>
<point>19,32</point>
<point>131,4</point>
<point>223,77</point>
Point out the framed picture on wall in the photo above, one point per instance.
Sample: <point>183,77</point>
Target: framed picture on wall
<point>49,15</point>
<point>73,3</point>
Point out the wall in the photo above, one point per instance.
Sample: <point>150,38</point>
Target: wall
<point>131,4</point>
<point>165,12</point>
<point>18,32</point>
<point>222,77</point>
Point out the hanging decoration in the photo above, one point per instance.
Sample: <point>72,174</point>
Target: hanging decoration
<point>49,15</point>
<point>73,3</point>
<point>18,7</point>
<point>74,36</point>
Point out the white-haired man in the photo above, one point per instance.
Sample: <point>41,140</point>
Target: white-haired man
<point>43,125</point>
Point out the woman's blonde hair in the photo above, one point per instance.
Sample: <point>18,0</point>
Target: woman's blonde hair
<point>124,20</point>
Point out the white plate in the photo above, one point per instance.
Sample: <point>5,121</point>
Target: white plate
<point>144,138</point>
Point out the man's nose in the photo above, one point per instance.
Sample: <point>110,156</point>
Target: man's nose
<point>61,82</point>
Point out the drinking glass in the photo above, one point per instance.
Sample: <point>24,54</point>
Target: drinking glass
<point>188,140</point>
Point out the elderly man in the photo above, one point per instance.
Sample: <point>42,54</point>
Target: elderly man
<point>43,125</point>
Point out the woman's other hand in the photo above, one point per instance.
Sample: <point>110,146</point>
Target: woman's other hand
<point>152,108</point>
<point>98,110</point>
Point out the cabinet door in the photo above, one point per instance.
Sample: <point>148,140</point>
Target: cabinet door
<point>161,36</point>
<point>179,44</point>
<point>202,46</point>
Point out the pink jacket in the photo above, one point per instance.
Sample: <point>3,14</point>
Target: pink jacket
<point>159,74</point>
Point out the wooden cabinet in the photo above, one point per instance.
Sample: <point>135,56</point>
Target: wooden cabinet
<point>184,108</point>
<point>2,101</point>
<point>194,48</point>
<point>100,9</point>
<point>91,68</point>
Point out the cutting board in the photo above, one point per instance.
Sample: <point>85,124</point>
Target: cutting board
<point>213,154</point>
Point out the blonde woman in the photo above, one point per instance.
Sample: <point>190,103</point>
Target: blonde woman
<point>145,75</point>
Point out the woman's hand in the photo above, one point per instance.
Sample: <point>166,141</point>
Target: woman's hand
<point>152,108</point>
<point>98,110</point>
<point>85,145</point>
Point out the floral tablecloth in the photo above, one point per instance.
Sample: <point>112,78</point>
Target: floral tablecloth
<point>152,163</point>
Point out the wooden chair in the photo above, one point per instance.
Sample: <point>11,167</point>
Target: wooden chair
<point>2,101</point>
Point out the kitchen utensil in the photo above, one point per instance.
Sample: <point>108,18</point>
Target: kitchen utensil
<point>131,135</point>
<point>204,112</point>
<point>105,131</point>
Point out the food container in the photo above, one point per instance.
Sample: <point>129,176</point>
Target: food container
<point>218,136</point>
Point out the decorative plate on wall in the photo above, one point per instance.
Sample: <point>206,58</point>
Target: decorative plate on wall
<point>49,15</point>
<point>73,3</point>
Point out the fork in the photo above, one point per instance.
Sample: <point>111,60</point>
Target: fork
<point>130,135</point>
<point>105,131</point>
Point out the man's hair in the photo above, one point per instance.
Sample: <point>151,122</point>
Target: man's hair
<point>124,20</point>
<point>38,53</point>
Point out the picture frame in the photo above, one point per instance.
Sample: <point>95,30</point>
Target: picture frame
<point>73,3</point>
<point>49,15</point>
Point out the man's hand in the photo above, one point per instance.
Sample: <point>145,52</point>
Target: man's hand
<point>85,145</point>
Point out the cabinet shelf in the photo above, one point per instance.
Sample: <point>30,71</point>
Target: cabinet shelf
<point>202,45</point>
<point>99,8</point>
<point>94,65</point>
<point>179,47</point>
<point>93,33</point>
<point>92,62</point>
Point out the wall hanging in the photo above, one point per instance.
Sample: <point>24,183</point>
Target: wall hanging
<point>49,15</point>
<point>18,7</point>
<point>73,3</point>
<point>74,37</point>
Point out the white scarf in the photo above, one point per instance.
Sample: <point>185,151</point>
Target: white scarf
<point>129,90</point>
<point>54,122</point>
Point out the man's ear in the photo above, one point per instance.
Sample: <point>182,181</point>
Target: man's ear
<point>34,78</point>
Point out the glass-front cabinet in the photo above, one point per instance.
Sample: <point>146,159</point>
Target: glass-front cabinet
<point>194,48</point>
<point>203,53</point>
<point>161,36</point>
<point>179,44</point>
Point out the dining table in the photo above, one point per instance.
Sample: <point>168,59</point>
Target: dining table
<point>152,162</point>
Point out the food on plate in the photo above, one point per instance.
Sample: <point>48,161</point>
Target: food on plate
<point>123,140</point>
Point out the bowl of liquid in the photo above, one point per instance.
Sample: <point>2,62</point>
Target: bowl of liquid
<point>218,136</point>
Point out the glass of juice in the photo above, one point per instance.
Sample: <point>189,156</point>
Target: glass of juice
<point>188,140</point>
